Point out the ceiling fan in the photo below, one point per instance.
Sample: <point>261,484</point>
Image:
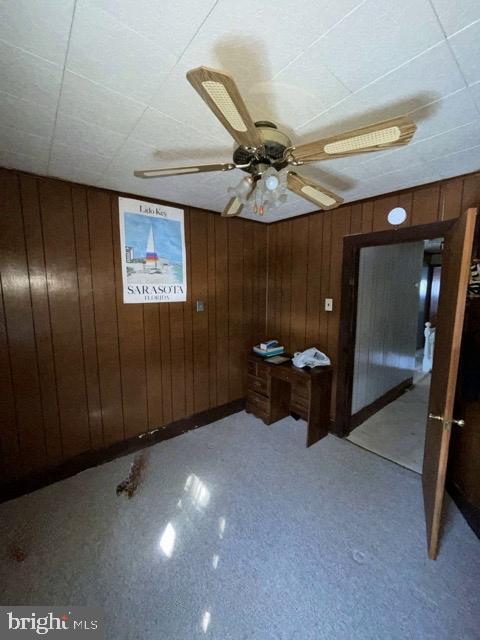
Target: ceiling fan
<point>267,154</point>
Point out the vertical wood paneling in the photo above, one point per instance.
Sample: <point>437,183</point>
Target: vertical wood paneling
<point>356,219</point>
<point>426,204</point>
<point>221,308</point>
<point>314,264</point>
<point>131,340</point>
<point>299,284</point>
<point>286,284</point>
<point>178,356</point>
<point>20,329</point>
<point>258,283</point>
<point>324,247</point>
<point>274,282</point>
<point>236,353</point>
<point>381,207</point>
<point>41,316</point>
<point>212,311</point>
<point>471,191</point>
<point>82,370</point>
<point>451,199</point>
<point>339,230</point>
<point>367,216</point>
<point>87,315</point>
<point>153,365</point>
<point>251,273</point>
<point>199,287</point>
<point>166,355</point>
<point>105,309</point>
<point>405,200</point>
<point>188,320</point>
<point>63,295</point>
<point>79,369</point>
<point>9,449</point>
<point>325,291</point>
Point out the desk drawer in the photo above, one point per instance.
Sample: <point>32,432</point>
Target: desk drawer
<point>258,405</point>
<point>282,372</point>
<point>258,369</point>
<point>259,385</point>
<point>295,377</point>
<point>257,400</point>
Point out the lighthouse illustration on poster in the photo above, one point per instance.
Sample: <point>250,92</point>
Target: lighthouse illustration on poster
<point>153,252</point>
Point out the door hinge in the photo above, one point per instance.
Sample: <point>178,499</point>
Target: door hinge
<point>447,424</point>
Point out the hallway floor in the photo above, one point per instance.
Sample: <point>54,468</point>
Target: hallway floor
<point>239,532</point>
<point>397,432</point>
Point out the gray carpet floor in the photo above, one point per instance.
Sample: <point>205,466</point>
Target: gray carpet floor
<point>240,532</point>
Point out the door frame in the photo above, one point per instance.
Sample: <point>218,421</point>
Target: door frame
<point>352,245</point>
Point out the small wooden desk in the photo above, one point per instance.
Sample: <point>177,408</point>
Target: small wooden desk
<point>275,391</point>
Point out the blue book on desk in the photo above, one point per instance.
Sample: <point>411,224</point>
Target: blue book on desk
<point>269,352</point>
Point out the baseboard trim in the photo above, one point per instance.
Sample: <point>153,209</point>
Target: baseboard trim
<point>391,395</point>
<point>89,459</point>
<point>470,512</point>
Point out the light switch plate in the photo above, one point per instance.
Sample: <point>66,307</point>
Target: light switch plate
<point>328,304</point>
<point>200,305</point>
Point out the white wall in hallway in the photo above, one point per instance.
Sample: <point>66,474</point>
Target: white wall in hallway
<point>387,316</point>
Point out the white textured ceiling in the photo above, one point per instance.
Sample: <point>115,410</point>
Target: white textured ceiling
<point>91,89</point>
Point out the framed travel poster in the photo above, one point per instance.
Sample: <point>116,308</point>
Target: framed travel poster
<point>153,252</point>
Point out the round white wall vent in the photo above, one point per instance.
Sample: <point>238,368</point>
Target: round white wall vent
<point>397,215</point>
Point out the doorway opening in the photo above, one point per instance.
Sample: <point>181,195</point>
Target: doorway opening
<point>390,263</point>
<point>442,413</point>
<point>397,301</point>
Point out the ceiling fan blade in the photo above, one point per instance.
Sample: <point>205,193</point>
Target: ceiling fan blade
<point>375,137</point>
<point>219,91</point>
<point>177,171</point>
<point>234,208</point>
<point>312,191</point>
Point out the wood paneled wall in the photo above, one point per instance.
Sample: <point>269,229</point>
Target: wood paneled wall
<point>79,369</point>
<point>305,258</point>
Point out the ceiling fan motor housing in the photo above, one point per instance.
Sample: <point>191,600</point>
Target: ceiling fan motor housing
<point>274,143</point>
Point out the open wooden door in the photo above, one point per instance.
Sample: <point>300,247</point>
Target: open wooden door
<point>451,309</point>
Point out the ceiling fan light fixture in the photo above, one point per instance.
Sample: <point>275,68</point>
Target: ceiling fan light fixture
<point>225,104</point>
<point>271,182</point>
<point>242,190</point>
<point>271,179</point>
<point>270,191</point>
<point>364,141</point>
